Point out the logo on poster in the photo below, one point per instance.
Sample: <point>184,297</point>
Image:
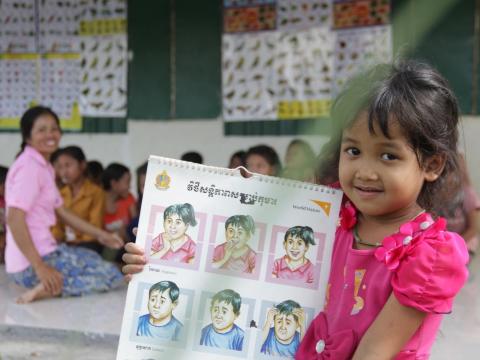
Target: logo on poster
<point>162,181</point>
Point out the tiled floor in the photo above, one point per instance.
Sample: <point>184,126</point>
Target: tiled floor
<point>458,339</point>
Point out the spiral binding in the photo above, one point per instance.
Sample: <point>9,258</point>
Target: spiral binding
<point>236,172</point>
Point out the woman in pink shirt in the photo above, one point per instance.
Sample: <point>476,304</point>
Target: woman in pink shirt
<point>33,257</point>
<point>174,244</point>
<point>295,265</point>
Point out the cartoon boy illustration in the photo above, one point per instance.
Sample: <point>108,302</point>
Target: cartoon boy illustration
<point>174,244</point>
<point>160,322</point>
<point>235,254</point>
<point>283,329</point>
<point>223,332</point>
<point>295,265</point>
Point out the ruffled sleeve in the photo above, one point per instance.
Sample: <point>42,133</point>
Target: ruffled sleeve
<point>428,264</point>
<point>318,344</point>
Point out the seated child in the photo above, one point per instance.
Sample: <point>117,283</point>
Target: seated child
<point>80,195</point>
<point>174,244</point>
<point>3,177</point>
<point>235,254</point>
<point>280,330</point>
<point>294,265</point>
<point>160,322</point>
<point>223,332</point>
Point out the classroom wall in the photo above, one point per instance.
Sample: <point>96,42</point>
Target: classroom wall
<point>172,138</point>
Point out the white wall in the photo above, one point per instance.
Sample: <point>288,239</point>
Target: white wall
<point>172,138</point>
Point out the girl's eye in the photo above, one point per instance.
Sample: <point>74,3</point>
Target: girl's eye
<point>352,151</point>
<point>388,157</point>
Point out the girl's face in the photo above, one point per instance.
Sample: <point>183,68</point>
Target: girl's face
<point>237,235</point>
<point>258,164</point>
<point>122,185</point>
<point>174,226</point>
<point>381,175</point>
<point>45,135</point>
<point>69,170</point>
<point>295,247</point>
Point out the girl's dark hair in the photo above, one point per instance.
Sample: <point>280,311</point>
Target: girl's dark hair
<point>239,154</point>
<point>185,211</point>
<point>419,99</point>
<point>95,171</point>
<point>74,152</point>
<point>244,221</point>
<point>113,171</point>
<point>3,174</point>
<point>141,170</point>
<point>269,154</point>
<point>28,120</point>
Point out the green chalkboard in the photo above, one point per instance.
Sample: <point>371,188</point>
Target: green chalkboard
<point>197,57</point>
<point>149,67</point>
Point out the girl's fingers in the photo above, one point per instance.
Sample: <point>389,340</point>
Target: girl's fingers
<point>127,278</point>
<point>133,248</point>
<point>132,269</point>
<point>133,259</point>
<point>134,231</point>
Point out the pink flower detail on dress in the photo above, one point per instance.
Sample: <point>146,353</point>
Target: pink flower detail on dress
<point>402,244</point>
<point>348,216</point>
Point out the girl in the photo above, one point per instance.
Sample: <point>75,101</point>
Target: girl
<point>263,159</point>
<point>395,270</point>
<point>120,203</point>
<point>174,244</point>
<point>295,265</point>
<point>141,173</point>
<point>235,254</point>
<point>33,258</point>
<point>80,195</point>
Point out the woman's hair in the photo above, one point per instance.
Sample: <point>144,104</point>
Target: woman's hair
<point>141,170</point>
<point>28,120</point>
<point>244,221</point>
<point>3,174</point>
<point>113,171</point>
<point>419,99</point>
<point>184,211</point>
<point>269,154</point>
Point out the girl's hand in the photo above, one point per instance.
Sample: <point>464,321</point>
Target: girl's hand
<point>167,242</point>
<point>111,240</point>
<point>134,259</point>
<point>271,316</point>
<point>228,250</point>
<point>50,278</point>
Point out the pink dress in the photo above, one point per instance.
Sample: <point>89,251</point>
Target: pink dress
<point>245,263</point>
<point>282,271</point>
<point>423,265</point>
<point>183,254</point>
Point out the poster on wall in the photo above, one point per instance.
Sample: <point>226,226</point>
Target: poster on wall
<point>72,54</point>
<point>291,61</point>
<point>229,260</point>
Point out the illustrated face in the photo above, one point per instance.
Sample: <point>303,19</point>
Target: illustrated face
<point>285,327</point>
<point>222,316</point>
<point>380,175</point>
<point>258,164</point>
<point>295,247</point>
<point>238,235</point>
<point>45,135</point>
<point>174,226</point>
<point>160,306</point>
<point>69,169</point>
<point>122,185</point>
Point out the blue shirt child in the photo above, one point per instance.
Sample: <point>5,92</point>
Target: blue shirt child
<point>272,346</point>
<point>232,340</point>
<point>169,331</point>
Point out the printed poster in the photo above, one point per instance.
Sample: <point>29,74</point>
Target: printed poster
<point>237,268</point>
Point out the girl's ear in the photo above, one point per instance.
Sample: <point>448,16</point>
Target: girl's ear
<point>434,166</point>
